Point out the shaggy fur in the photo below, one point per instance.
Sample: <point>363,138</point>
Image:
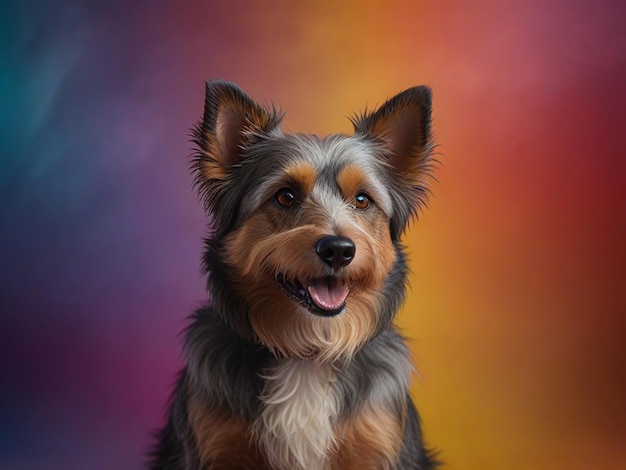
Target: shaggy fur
<point>294,363</point>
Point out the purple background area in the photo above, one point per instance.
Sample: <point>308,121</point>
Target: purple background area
<point>101,233</point>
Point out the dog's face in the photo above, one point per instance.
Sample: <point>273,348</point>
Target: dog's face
<point>308,228</point>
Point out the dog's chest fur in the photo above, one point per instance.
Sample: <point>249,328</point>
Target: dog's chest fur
<point>300,406</point>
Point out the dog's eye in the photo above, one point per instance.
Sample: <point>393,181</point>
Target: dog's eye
<point>362,201</point>
<point>285,197</point>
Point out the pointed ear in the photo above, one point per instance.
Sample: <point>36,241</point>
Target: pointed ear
<point>401,127</point>
<point>232,122</point>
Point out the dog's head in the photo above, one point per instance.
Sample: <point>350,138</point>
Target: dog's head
<point>305,252</point>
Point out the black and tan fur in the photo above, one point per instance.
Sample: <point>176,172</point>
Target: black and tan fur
<point>294,363</point>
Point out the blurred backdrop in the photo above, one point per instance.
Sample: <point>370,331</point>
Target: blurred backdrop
<point>517,306</point>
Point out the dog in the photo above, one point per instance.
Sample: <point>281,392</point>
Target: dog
<point>295,363</point>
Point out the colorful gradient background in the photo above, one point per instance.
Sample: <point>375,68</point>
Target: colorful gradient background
<point>517,307</point>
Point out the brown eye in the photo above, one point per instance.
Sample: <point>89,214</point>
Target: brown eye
<point>285,197</point>
<point>362,201</point>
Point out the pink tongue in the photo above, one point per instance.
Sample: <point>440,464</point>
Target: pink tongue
<point>328,293</point>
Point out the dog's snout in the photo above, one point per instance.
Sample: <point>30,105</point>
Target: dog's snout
<point>335,251</point>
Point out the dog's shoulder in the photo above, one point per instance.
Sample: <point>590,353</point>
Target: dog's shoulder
<point>224,366</point>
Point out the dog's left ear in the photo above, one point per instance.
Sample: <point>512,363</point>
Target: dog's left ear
<point>401,127</point>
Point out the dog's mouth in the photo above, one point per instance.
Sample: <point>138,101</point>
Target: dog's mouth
<point>324,296</point>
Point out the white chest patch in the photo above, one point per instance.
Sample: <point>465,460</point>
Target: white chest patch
<point>300,405</point>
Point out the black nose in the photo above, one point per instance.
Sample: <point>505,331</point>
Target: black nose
<point>336,252</point>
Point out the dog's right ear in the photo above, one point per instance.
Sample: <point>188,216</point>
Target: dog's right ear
<point>232,122</point>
